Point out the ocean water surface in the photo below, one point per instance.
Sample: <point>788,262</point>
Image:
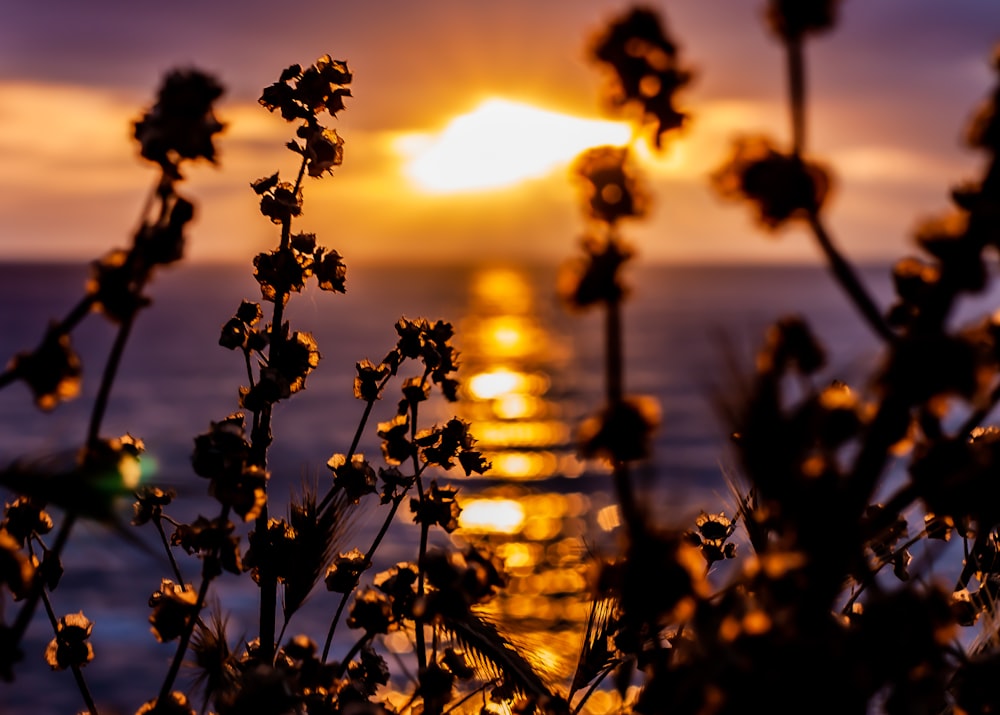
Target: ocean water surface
<point>530,372</point>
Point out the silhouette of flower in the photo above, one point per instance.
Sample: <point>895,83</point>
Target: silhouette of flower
<point>162,242</point>
<point>396,447</point>
<point>371,611</point>
<point>16,571</point>
<point>646,68</point>
<point>149,503</point>
<point>116,285</point>
<point>790,343</point>
<point>437,506</point>
<point>355,476</point>
<point>461,580</point>
<point>621,432</point>
<point>330,271</point>
<point>299,355</point>
<point>455,660</point>
<point>210,538</point>
<point>182,123</point>
<point>25,516</point>
<point>52,372</point>
<point>174,605</point>
<point>302,94</point>
<point>368,672</point>
<point>594,278</point>
<point>274,548</point>
<point>342,575</point>
<point>369,378</point>
<point>442,445</point>
<point>71,646</point>
<point>611,184</point>
<point>779,186</point>
<point>436,685</point>
<point>324,149</point>
<point>399,584</point>
<point>394,483</point>
<point>239,332</point>
<point>223,450</point>
<point>279,200</point>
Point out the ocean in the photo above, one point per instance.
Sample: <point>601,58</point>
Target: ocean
<point>531,371</point>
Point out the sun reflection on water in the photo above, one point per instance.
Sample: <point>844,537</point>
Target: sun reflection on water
<point>530,510</point>
<point>510,359</point>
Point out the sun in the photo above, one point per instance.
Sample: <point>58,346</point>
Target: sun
<point>501,143</point>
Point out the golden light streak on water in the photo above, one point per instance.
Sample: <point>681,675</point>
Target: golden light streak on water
<point>502,516</point>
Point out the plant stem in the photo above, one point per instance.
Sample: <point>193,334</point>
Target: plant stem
<point>108,378</point>
<point>841,269</point>
<point>175,665</point>
<point>797,92</point>
<point>614,393</point>
<point>369,404</point>
<point>81,683</point>
<point>38,584</point>
<point>355,649</point>
<point>592,689</point>
<point>849,281</point>
<point>368,559</point>
<point>424,530</point>
<point>207,576</point>
<point>870,579</point>
<point>100,405</point>
<point>261,441</point>
<point>166,546</point>
<point>333,625</point>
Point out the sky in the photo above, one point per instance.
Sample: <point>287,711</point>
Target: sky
<point>890,92</point>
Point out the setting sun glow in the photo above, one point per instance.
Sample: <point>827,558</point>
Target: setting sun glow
<point>501,143</point>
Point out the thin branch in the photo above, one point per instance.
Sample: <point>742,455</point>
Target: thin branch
<point>166,545</point>
<point>797,92</point>
<point>397,500</point>
<point>850,282</point>
<point>81,683</point>
<point>108,378</point>
<point>207,576</point>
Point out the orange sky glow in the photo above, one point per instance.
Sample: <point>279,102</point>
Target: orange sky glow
<point>465,118</point>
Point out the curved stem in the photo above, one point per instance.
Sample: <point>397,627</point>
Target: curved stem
<point>207,576</point>
<point>871,576</point>
<point>72,319</point>
<point>175,665</point>
<point>463,700</point>
<point>355,441</point>
<point>333,625</point>
<point>397,500</point>
<point>592,689</point>
<point>166,545</point>
<point>355,649</point>
<point>849,281</point>
<point>27,611</point>
<point>108,378</point>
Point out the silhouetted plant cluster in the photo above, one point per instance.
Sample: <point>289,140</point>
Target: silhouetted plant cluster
<point>821,605</point>
<point>835,483</point>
